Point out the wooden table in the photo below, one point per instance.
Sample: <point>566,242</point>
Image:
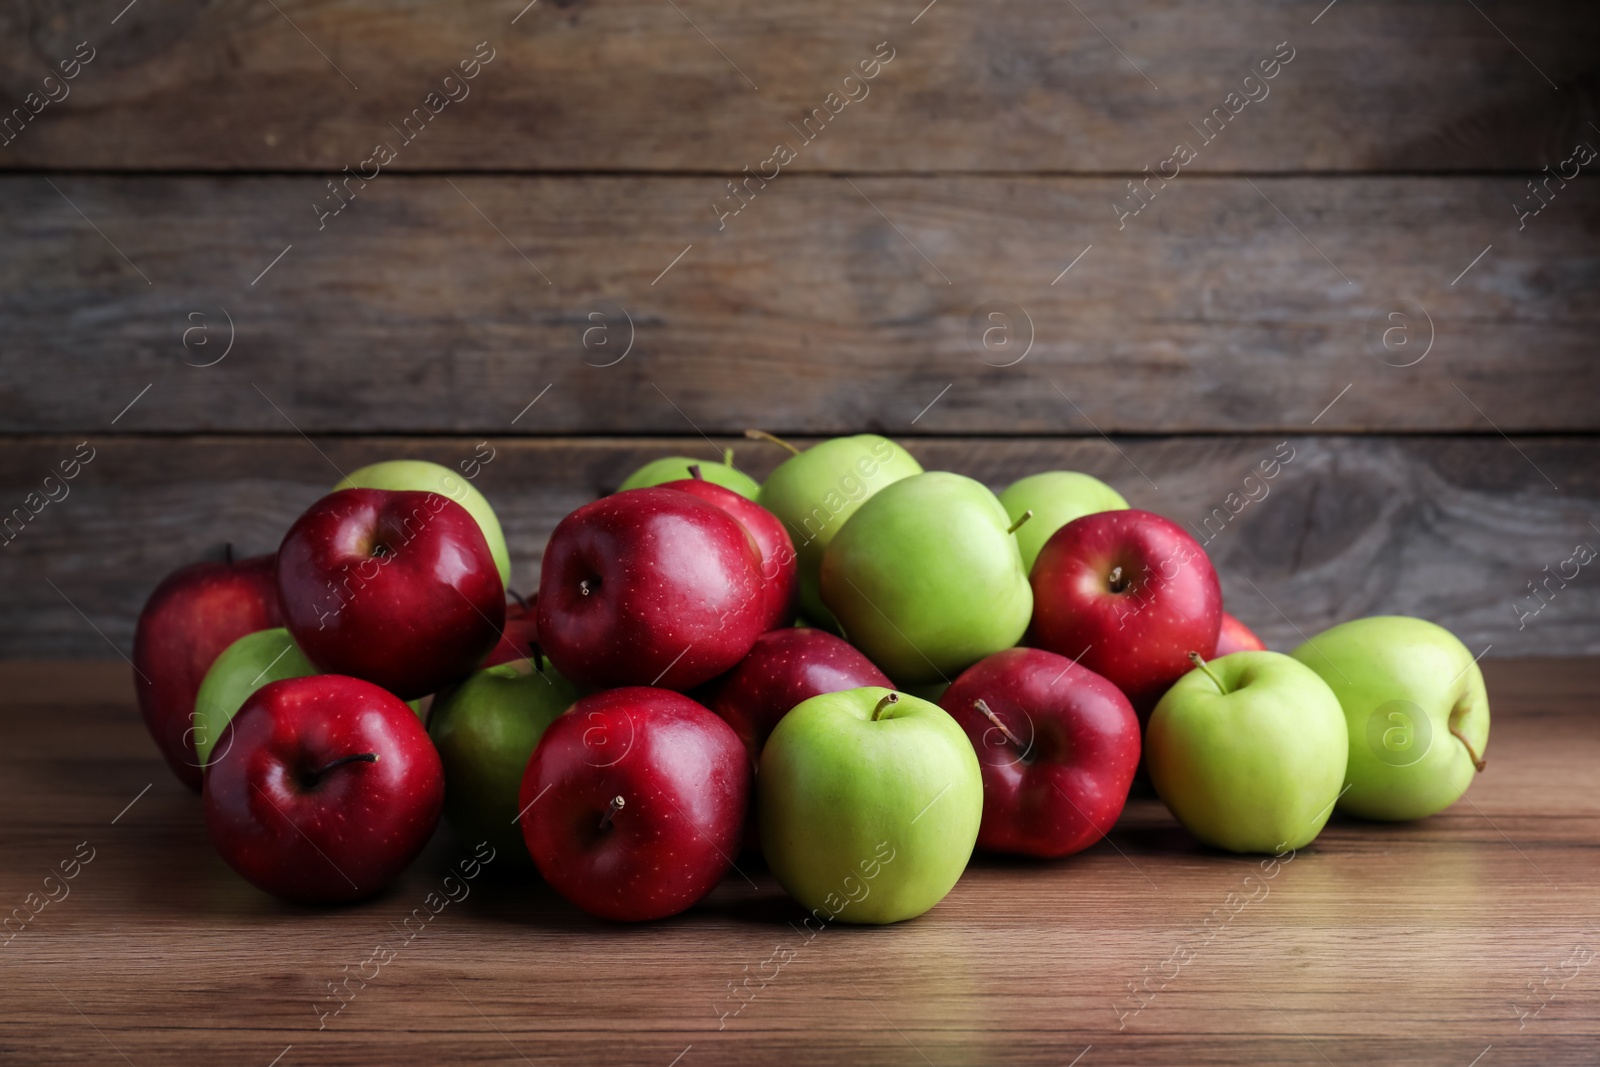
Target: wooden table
<point>1468,938</point>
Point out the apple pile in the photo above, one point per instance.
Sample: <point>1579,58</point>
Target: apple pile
<point>859,671</point>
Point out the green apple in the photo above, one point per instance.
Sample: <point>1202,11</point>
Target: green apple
<point>243,667</point>
<point>486,728</point>
<point>1055,498</point>
<point>420,475</point>
<point>676,469</point>
<point>1249,752</point>
<point>869,802</point>
<point>926,578</point>
<point>815,491</point>
<point>1416,708</point>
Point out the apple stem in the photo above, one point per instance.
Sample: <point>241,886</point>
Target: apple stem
<point>994,720</point>
<point>727,457</point>
<point>521,603</point>
<point>1024,517</point>
<point>694,472</point>
<point>1477,760</point>
<point>315,777</point>
<point>888,699</point>
<point>762,435</point>
<point>1199,661</point>
<point>1114,579</point>
<point>584,588</point>
<point>227,552</point>
<point>617,804</point>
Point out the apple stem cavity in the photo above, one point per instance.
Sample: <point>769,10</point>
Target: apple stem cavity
<point>1199,661</point>
<point>888,700</point>
<point>762,435</point>
<point>617,804</point>
<point>1024,517</point>
<point>1477,760</point>
<point>314,778</point>
<point>994,720</point>
<point>694,472</point>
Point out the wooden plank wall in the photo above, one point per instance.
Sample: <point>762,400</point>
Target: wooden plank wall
<point>1378,253</point>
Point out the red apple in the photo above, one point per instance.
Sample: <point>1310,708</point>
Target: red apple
<point>519,637</point>
<point>784,668</point>
<point>780,569</point>
<point>1129,595</point>
<point>649,587</point>
<point>1235,636</point>
<point>633,802</point>
<point>331,787</point>
<point>1057,745</point>
<point>193,615</point>
<point>395,587</point>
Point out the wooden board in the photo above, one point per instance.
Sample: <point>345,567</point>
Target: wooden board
<point>829,305</point>
<point>1452,529</point>
<point>1419,944</point>
<point>641,85</point>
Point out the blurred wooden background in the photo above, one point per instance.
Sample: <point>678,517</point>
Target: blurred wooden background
<point>1354,264</point>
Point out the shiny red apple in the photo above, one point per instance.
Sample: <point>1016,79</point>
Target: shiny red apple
<point>330,790</point>
<point>1235,636</point>
<point>633,803</point>
<point>784,668</point>
<point>395,587</point>
<point>1057,745</point>
<point>194,614</point>
<point>780,569</point>
<point>649,587</point>
<point>520,636</point>
<point>1129,595</point>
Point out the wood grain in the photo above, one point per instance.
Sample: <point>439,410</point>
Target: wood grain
<point>829,305</point>
<point>1452,529</point>
<point>636,85</point>
<point>1409,945</point>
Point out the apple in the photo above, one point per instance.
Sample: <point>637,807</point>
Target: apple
<point>249,663</point>
<point>1057,744</point>
<point>330,789</point>
<point>814,492</point>
<point>395,587</point>
<point>926,578</point>
<point>195,613</point>
<point>519,638</point>
<point>1249,752</point>
<point>1129,595</point>
<point>1055,498</point>
<point>633,803</point>
<point>676,468</point>
<point>785,668</point>
<point>485,729</point>
<point>779,576</point>
<point>421,476</point>
<point>870,803</point>
<point>1416,708</point>
<point>1235,636</point>
<point>649,587</point>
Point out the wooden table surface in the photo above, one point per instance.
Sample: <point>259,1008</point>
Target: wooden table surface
<point>1468,938</point>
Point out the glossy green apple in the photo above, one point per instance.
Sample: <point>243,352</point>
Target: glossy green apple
<point>242,668</point>
<point>870,803</point>
<point>1055,498</point>
<point>815,491</point>
<point>926,578</point>
<point>422,476</point>
<point>676,468</point>
<point>1249,752</point>
<point>1416,708</point>
<point>486,729</point>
